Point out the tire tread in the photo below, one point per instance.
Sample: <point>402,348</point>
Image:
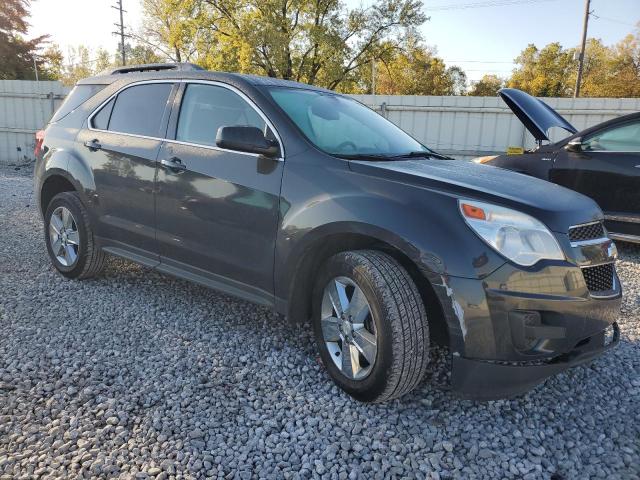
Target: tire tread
<point>407,316</point>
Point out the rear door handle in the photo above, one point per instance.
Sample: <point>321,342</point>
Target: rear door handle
<point>174,164</point>
<point>93,145</point>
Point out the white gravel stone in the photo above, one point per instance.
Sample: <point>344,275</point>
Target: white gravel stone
<point>136,374</point>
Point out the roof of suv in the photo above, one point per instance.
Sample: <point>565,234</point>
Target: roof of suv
<point>139,73</point>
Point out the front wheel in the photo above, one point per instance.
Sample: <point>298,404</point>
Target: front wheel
<point>370,325</point>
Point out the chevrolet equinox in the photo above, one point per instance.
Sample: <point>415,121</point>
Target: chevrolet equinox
<point>308,202</point>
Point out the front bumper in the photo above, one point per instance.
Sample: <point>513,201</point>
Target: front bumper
<point>485,380</point>
<point>516,327</point>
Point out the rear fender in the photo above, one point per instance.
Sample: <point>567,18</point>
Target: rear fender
<point>66,164</point>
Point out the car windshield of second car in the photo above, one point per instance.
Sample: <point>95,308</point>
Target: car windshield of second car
<point>343,127</point>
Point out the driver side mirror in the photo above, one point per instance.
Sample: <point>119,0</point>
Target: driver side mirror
<point>574,145</point>
<point>246,139</point>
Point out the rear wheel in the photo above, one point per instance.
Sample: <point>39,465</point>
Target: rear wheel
<point>69,238</point>
<point>370,325</point>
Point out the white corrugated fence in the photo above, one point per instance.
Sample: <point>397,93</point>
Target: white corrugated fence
<point>463,127</point>
<point>25,107</point>
<point>466,127</point>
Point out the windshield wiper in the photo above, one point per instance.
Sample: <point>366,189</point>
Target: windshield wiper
<point>363,156</point>
<point>422,154</point>
<point>381,157</point>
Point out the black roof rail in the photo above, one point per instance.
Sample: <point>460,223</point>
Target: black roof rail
<point>157,67</point>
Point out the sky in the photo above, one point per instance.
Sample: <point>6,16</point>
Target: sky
<point>479,39</point>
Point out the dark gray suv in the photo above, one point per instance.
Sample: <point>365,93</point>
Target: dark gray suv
<point>308,202</point>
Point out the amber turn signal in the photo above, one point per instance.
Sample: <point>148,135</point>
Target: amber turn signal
<point>473,212</point>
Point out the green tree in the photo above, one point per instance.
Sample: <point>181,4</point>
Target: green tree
<point>320,42</point>
<point>18,54</point>
<point>544,73</point>
<point>416,70</point>
<point>103,61</point>
<point>609,71</point>
<point>487,86</point>
<point>79,65</point>
<point>458,80</point>
<point>53,63</point>
<point>174,29</point>
<point>613,71</point>
<point>140,54</point>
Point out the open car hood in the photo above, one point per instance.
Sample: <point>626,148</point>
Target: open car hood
<point>537,116</point>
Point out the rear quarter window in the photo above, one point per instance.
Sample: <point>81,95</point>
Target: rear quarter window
<point>77,96</point>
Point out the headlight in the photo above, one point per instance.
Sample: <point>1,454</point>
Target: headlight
<point>518,236</point>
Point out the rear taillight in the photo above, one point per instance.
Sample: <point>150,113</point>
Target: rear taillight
<point>39,139</point>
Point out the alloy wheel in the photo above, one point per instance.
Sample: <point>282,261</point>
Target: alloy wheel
<point>64,237</point>
<point>348,328</point>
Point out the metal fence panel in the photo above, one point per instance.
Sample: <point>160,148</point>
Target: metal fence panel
<point>25,107</point>
<point>465,127</point>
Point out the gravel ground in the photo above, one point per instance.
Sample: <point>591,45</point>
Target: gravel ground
<point>136,374</point>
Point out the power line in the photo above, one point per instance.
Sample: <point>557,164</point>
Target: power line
<point>476,61</point>
<point>485,70</point>
<point>614,20</point>
<point>485,4</point>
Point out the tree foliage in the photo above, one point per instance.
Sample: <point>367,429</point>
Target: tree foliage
<point>81,62</point>
<point>487,86</point>
<point>17,53</point>
<point>545,72</point>
<point>321,42</point>
<point>414,69</point>
<point>608,71</point>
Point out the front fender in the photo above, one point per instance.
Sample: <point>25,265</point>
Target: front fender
<point>322,199</point>
<point>430,232</point>
<point>295,243</point>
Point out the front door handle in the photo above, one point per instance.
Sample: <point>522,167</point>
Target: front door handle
<point>93,145</point>
<point>174,164</point>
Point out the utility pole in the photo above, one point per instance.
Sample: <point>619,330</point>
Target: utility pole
<point>585,24</point>
<point>373,77</point>
<point>118,6</point>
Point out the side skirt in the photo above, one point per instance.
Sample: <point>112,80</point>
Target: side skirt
<point>186,272</point>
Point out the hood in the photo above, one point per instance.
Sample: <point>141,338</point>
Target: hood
<point>556,206</point>
<point>537,116</point>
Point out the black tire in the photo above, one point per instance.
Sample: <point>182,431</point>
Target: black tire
<point>90,258</point>
<point>400,323</point>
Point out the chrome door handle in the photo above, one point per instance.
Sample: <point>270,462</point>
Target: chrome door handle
<point>174,164</point>
<point>637,166</point>
<point>93,145</point>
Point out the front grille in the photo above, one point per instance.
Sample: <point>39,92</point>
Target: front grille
<point>600,278</point>
<point>591,231</point>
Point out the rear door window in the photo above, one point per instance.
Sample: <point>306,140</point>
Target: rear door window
<point>138,110</point>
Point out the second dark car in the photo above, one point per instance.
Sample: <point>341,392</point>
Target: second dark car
<point>310,203</point>
<point>602,162</point>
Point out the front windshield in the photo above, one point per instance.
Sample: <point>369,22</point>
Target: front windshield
<point>341,126</point>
